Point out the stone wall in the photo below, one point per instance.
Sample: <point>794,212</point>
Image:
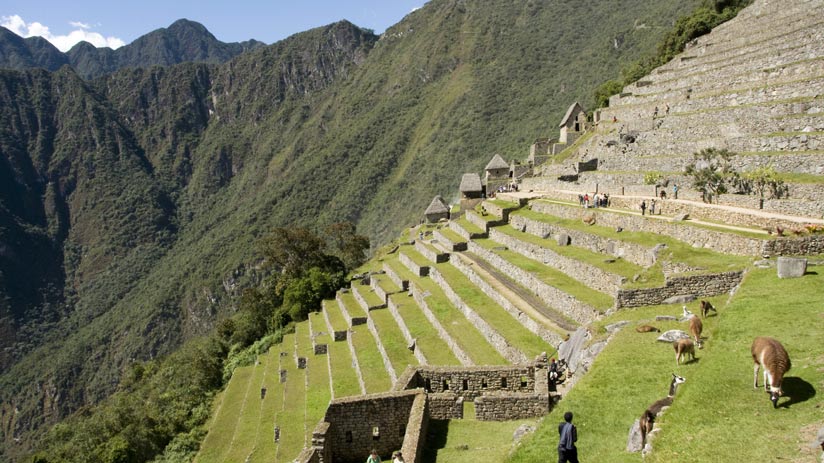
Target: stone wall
<point>419,270</point>
<point>353,422</point>
<point>445,406</point>
<point>473,382</point>
<point>498,211</point>
<point>420,298</point>
<point>587,274</point>
<point>407,335</point>
<point>694,236</point>
<point>557,299</point>
<point>795,246</point>
<point>364,303</point>
<point>477,220</point>
<point>387,365</point>
<point>454,246</point>
<point>336,335</point>
<point>403,284</point>
<point>509,352</point>
<point>698,285</point>
<point>353,321</point>
<point>416,429</point>
<point>553,339</point>
<point>631,252</point>
<point>431,254</point>
<point>497,406</point>
<point>465,234</point>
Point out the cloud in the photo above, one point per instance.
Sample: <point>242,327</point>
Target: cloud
<point>81,33</point>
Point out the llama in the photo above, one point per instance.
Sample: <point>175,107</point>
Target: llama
<point>683,348</point>
<point>648,417</point>
<point>696,327</point>
<point>687,313</point>
<point>706,307</point>
<point>770,354</point>
<point>647,329</point>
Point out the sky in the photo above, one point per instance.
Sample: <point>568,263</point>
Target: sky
<point>114,24</point>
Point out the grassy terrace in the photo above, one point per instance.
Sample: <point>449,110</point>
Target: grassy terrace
<point>469,226</point>
<point>265,449</point>
<point>551,276</point>
<point>292,414</point>
<point>650,277</point>
<point>226,417</point>
<point>392,340</point>
<point>453,321</point>
<point>345,377</point>
<point>451,235</point>
<point>371,363</point>
<point>352,306</point>
<point>335,315</point>
<point>677,251</point>
<point>415,256</point>
<point>431,345</point>
<point>386,284</point>
<point>317,373</point>
<point>489,217</point>
<point>716,412</point>
<point>518,336</point>
<point>368,294</point>
<point>471,441</point>
<point>248,428</point>
<point>504,204</point>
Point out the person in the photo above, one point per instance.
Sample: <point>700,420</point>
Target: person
<point>567,452</point>
<point>652,207</point>
<point>663,194</point>
<point>675,191</point>
<point>553,371</point>
<point>655,112</point>
<point>397,457</point>
<point>643,207</point>
<point>373,457</point>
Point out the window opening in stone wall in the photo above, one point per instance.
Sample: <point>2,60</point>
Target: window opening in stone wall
<point>428,385</point>
<point>465,385</point>
<point>503,382</point>
<point>376,433</point>
<point>524,382</point>
<point>483,383</point>
<point>445,385</point>
<point>348,437</point>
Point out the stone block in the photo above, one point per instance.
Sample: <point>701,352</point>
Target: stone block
<point>681,217</point>
<point>791,267</point>
<point>634,438</point>
<point>301,363</point>
<point>562,239</point>
<point>679,299</point>
<point>340,335</point>
<point>672,335</point>
<point>321,349</point>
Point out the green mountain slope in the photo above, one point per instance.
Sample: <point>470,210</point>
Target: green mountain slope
<point>163,179</point>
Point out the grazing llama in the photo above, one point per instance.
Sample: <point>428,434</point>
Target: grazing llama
<point>696,327</point>
<point>683,348</point>
<point>770,354</point>
<point>648,417</point>
<point>647,329</point>
<point>706,307</point>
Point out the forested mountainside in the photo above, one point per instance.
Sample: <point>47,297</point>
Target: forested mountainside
<point>183,41</point>
<point>141,195</point>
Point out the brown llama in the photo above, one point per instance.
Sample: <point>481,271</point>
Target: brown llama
<point>648,417</point>
<point>770,354</point>
<point>706,308</point>
<point>696,327</point>
<point>647,329</point>
<point>683,348</point>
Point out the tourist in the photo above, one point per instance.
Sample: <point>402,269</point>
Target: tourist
<point>586,200</point>
<point>675,191</point>
<point>397,457</point>
<point>663,194</point>
<point>652,207</point>
<point>655,112</point>
<point>566,444</point>
<point>643,207</point>
<point>373,457</point>
<point>580,200</point>
<point>553,371</point>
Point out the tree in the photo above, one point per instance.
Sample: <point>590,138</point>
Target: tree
<point>763,181</point>
<point>293,251</point>
<point>347,244</point>
<point>711,172</point>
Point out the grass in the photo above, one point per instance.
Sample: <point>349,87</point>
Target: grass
<point>716,412</point>
<point>291,417</point>
<point>332,310</point>
<point>470,441</point>
<point>515,333</point>
<point>650,277</point>
<point>266,448</point>
<point>226,418</point>
<point>416,257</point>
<point>318,393</point>
<point>452,236</point>
<point>246,432</point>
<point>464,333</point>
<point>345,381</point>
<point>369,358</point>
<point>368,295</point>
<point>388,286</point>
<point>393,341</point>
<point>677,251</point>
<point>503,204</point>
<point>469,226</point>
<point>436,351</point>
<point>550,276</point>
<point>351,304</point>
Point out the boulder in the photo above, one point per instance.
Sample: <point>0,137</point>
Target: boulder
<point>791,267</point>
<point>562,239</point>
<point>679,299</point>
<point>672,335</point>
<point>663,318</point>
<point>681,217</point>
<point>634,438</point>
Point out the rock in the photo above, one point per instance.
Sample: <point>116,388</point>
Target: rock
<point>791,267</point>
<point>562,239</point>
<point>616,326</point>
<point>665,318</point>
<point>412,344</point>
<point>589,219</point>
<point>680,299</point>
<point>619,229</point>
<point>522,431</point>
<point>656,251</point>
<point>672,335</point>
<point>499,248</point>
<point>681,217</point>
<point>634,438</point>
<point>764,263</point>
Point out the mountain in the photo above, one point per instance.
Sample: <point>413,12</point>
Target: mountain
<point>183,41</point>
<point>145,191</point>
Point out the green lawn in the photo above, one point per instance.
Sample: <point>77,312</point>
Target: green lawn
<point>332,309</point>
<point>436,351</point>
<point>369,358</point>
<point>352,306</point>
<point>416,257</point>
<point>716,413</point>
<point>291,417</point>
<point>345,382</point>
<point>469,226</point>
<point>368,294</point>
<point>392,340</point>
<point>246,433</point>
<point>515,333</point>
<point>452,235</point>
<point>266,448</point>
<point>318,393</point>
<point>470,441</point>
<point>226,417</point>
<point>551,276</point>
<point>386,284</point>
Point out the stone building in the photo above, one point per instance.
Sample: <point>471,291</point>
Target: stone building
<point>472,191</point>
<point>437,210</point>
<point>573,124</point>
<point>496,173</point>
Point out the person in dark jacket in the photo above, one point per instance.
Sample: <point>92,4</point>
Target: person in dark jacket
<point>567,452</point>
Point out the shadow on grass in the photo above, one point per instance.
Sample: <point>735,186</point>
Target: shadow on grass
<point>436,435</point>
<point>797,390</point>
